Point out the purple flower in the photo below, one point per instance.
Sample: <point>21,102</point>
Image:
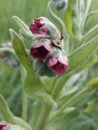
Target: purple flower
<point>3,126</point>
<point>38,27</point>
<point>58,65</point>
<point>41,49</point>
<point>44,27</point>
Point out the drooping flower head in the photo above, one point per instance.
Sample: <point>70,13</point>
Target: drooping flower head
<point>47,49</point>
<point>41,49</point>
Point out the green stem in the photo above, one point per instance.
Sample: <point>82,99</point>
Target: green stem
<point>58,86</point>
<point>43,117</point>
<point>24,109</point>
<point>56,17</point>
<point>68,104</point>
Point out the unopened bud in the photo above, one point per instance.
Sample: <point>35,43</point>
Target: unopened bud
<point>60,4</point>
<point>7,55</point>
<point>45,28</point>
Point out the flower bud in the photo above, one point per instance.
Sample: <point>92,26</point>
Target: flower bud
<point>60,4</point>
<point>7,55</point>
<point>45,28</point>
<point>42,69</point>
<point>38,27</point>
<point>58,65</point>
<point>41,49</point>
<point>3,126</point>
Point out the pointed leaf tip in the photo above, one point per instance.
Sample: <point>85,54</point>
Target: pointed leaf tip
<point>25,31</point>
<point>12,33</point>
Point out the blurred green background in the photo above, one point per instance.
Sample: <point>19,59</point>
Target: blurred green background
<point>10,82</point>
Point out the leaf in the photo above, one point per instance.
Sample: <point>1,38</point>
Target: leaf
<point>35,91</point>
<point>9,117</point>
<point>14,127</point>
<point>94,60</point>
<point>68,17</point>
<point>33,86</point>
<point>82,53</point>
<point>24,28</point>
<point>92,82</point>
<point>91,106</point>
<point>20,50</point>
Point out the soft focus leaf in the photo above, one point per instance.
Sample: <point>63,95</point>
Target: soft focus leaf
<point>91,106</point>
<point>68,17</point>
<point>94,60</point>
<point>14,127</point>
<point>24,28</point>
<point>92,82</point>
<point>82,53</point>
<point>9,117</point>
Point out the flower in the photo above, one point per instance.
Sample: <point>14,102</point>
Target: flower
<point>41,49</point>
<point>58,65</point>
<point>38,27</point>
<point>3,126</point>
<point>44,27</point>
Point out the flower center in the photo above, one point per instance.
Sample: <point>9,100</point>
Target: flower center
<point>42,51</point>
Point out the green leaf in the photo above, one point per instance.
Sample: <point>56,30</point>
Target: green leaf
<point>82,53</point>
<point>33,86</point>
<point>24,28</point>
<point>92,82</point>
<point>77,61</point>
<point>91,106</point>
<point>93,61</point>
<point>9,117</point>
<point>14,127</point>
<point>36,110</point>
<point>36,91</point>
<point>59,122</point>
<point>68,17</point>
<point>21,51</point>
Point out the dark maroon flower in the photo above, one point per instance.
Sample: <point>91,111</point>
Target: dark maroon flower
<point>3,126</point>
<point>41,49</point>
<point>45,28</point>
<point>38,27</point>
<point>58,65</point>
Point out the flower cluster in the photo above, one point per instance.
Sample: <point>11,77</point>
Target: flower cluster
<point>47,48</point>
